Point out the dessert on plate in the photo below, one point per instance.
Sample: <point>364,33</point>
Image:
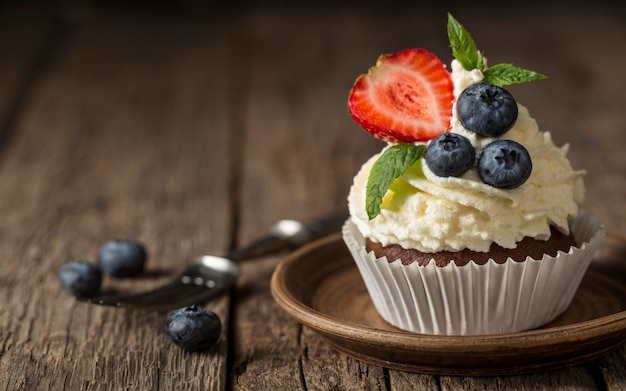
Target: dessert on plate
<point>468,221</point>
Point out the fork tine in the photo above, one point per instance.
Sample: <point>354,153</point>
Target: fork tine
<point>199,298</point>
<point>164,296</point>
<point>198,283</point>
<point>182,293</point>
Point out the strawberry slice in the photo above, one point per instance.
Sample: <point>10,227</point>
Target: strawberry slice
<point>407,97</point>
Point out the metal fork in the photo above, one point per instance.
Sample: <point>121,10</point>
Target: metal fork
<point>210,275</point>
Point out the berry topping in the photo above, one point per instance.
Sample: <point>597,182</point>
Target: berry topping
<point>406,97</point>
<point>193,328</point>
<point>486,109</point>
<point>504,164</point>
<point>80,278</point>
<point>122,258</point>
<point>450,154</point>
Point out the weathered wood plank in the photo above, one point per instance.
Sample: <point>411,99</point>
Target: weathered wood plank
<point>126,135</point>
<point>612,368</point>
<point>564,379</point>
<point>26,36</point>
<point>401,380</point>
<point>300,157</point>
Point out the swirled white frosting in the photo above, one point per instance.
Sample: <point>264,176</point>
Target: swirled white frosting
<point>430,213</point>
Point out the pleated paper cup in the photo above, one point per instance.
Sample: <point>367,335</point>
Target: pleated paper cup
<point>476,299</point>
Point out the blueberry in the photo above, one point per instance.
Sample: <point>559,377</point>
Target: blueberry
<point>504,164</point>
<point>193,328</point>
<point>450,154</point>
<point>122,258</point>
<point>80,278</point>
<point>486,109</point>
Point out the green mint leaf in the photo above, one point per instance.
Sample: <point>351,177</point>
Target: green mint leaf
<point>389,166</point>
<point>465,51</point>
<point>505,74</point>
<point>463,46</point>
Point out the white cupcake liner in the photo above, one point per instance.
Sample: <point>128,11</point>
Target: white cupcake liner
<point>476,299</point>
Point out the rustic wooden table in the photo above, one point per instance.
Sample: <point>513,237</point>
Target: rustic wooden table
<point>193,130</point>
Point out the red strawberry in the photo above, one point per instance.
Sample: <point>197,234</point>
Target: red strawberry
<point>406,97</point>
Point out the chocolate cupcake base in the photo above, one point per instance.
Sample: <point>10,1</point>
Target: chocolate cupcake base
<point>528,247</point>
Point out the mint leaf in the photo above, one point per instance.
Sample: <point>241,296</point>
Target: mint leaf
<point>463,46</point>
<point>505,74</point>
<point>389,166</point>
<point>465,51</point>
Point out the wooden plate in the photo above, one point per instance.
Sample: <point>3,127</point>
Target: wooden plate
<point>320,286</point>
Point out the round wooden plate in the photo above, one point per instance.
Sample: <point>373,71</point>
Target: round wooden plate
<point>320,286</point>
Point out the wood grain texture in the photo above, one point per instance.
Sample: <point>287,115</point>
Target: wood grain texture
<point>194,131</point>
<point>113,143</point>
<point>20,54</point>
<point>292,100</point>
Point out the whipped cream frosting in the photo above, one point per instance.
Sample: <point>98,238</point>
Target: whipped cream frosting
<point>430,213</point>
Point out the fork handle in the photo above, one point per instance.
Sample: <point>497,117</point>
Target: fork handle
<point>289,235</point>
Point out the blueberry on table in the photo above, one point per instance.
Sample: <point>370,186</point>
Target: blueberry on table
<point>122,258</point>
<point>450,154</point>
<point>193,328</point>
<point>486,109</point>
<point>80,278</point>
<point>504,164</point>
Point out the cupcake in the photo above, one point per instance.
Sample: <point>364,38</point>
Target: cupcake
<point>468,220</point>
